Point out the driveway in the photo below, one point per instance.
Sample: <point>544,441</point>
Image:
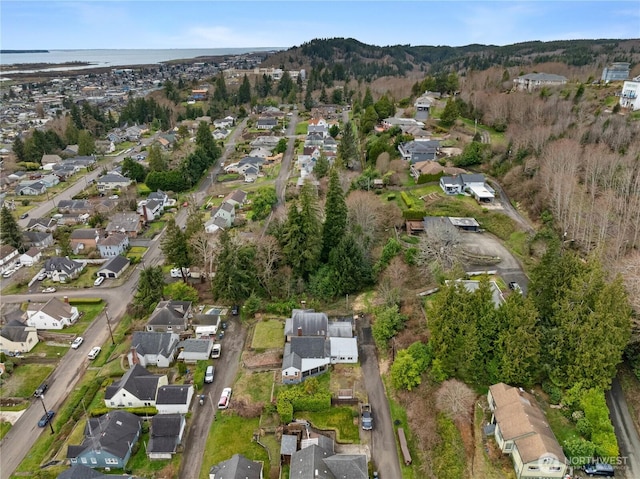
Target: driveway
<point>628,440</point>
<point>382,439</point>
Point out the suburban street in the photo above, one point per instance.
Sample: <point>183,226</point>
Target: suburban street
<point>383,447</point>
<point>628,439</point>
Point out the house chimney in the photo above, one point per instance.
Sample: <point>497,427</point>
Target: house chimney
<point>66,299</point>
<point>134,357</point>
<point>299,331</point>
<point>144,211</point>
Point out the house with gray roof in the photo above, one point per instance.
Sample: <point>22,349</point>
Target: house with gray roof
<point>533,81</point>
<point>129,223</point>
<point>75,206</point>
<point>114,267</point>
<point>8,256</point>
<point>84,239</point>
<point>170,316</point>
<point>79,471</point>
<point>113,245</point>
<point>18,336</point>
<point>419,150</point>
<point>194,350</point>
<point>165,435</point>
<point>62,270</point>
<point>37,239</point>
<point>305,357</point>
<point>174,399</point>
<point>238,467</point>
<point>112,181</point>
<point>236,198</point>
<point>137,388</point>
<point>306,322</point>
<point>153,349</point>
<point>317,462</point>
<point>266,123</point>
<point>31,189</point>
<point>43,225</point>
<point>473,184</point>
<point>109,441</point>
<point>423,106</point>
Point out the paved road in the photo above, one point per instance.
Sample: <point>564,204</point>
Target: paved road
<point>226,370</point>
<point>17,443</point>
<point>283,176</point>
<point>628,440</point>
<point>382,438</point>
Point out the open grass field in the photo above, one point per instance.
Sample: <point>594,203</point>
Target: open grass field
<point>268,334</point>
<point>229,435</point>
<point>25,379</point>
<point>301,128</point>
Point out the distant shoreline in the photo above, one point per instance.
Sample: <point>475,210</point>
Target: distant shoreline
<point>3,52</point>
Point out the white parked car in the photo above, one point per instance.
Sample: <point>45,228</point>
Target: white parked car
<point>50,289</point>
<point>176,273</point>
<point>42,276</point>
<point>99,280</point>
<point>217,349</point>
<point>8,273</point>
<point>77,342</point>
<point>225,398</point>
<point>114,197</point>
<point>94,352</point>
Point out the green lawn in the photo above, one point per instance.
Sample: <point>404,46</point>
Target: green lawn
<point>268,334</point>
<point>143,467</point>
<point>253,386</point>
<point>229,435</point>
<point>25,379</point>
<point>153,229</point>
<point>5,427</point>
<point>228,177</point>
<point>341,419</point>
<point>136,252</point>
<point>88,312</point>
<point>301,128</point>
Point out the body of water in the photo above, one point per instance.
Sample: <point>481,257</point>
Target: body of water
<point>106,58</point>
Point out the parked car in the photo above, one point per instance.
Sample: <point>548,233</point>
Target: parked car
<point>94,352</point>
<point>225,398</point>
<point>77,342</point>
<point>515,287</point>
<point>217,349</point>
<point>50,289</point>
<point>176,273</point>
<point>235,310</point>
<point>208,375</point>
<point>114,197</point>
<point>24,215</point>
<point>599,469</point>
<point>42,276</point>
<point>46,418</point>
<point>8,273</point>
<point>41,390</point>
<point>99,280</point>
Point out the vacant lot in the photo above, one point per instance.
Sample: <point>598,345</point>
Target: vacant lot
<point>268,334</point>
<point>254,387</point>
<point>25,379</point>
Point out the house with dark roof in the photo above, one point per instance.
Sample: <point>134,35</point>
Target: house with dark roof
<point>174,399</point>
<point>150,209</point>
<point>112,181</point>
<point>306,322</point>
<point>84,239</point>
<point>266,123</point>
<point>36,239</point>
<point>9,256</point>
<point>44,225</point>
<point>533,81</point>
<point>127,223</point>
<point>75,206</point>
<point>522,431</point>
<point>114,267</point>
<point>31,189</point>
<point>113,245</point>
<point>159,196</point>
<point>236,198</point>
<point>170,316</point>
<point>165,435</point>
<point>238,467</point>
<point>54,314</point>
<point>78,471</point>
<point>194,350</point>
<point>419,150</point>
<point>472,184</point>
<point>62,270</point>
<point>153,349</point>
<point>137,388</point>
<point>109,441</point>
<point>317,460</point>
<point>304,357</point>
<point>17,336</point>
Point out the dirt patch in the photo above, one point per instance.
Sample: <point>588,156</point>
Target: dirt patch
<point>264,360</point>
<point>345,376</point>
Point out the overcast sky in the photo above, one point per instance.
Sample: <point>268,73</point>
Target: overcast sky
<point>27,24</point>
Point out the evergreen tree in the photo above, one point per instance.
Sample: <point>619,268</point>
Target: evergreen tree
<point>134,170</point>
<point>335,216</point>
<point>285,86</point>
<point>10,233</point>
<point>149,291</point>
<point>369,119</point>
<point>71,133</point>
<point>324,98</point>
<point>18,149</point>
<point>244,92</point>
<point>481,311</point>
<point>308,100</point>
<point>385,107</point>
<point>347,148</point>
<point>322,166</point>
<point>86,143</point>
<point>367,101</point>
<point>351,268</point>
<point>155,159</point>
<point>206,142</point>
<point>235,277</point>
<point>449,114</point>
<point>220,94</point>
<point>176,248</point>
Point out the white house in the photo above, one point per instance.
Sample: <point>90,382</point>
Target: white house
<point>343,350</point>
<point>17,336</point>
<point>8,257</point>
<point>630,96</point>
<point>55,314</point>
<point>194,350</point>
<point>174,399</point>
<point>150,209</point>
<point>31,257</point>
<point>533,81</point>
<point>153,349</point>
<point>112,181</point>
<point>137,388</point>
<point>113,245</point>
<point>61,269</point>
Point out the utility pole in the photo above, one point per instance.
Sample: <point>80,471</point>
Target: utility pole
<point>46,413</point>
<point>106,311</point>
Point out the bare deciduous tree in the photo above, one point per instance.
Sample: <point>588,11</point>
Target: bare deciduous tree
<point>364,214</point>
<point>205,248</point>
<point>439,246</point>
<point>267,256</point>
<point>455,399</point>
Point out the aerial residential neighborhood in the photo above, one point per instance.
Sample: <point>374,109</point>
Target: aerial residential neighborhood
<point>336,260</point>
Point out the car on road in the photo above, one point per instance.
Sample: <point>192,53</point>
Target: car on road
<point>515,287</point>
<point>41,390</point>
<point>99,280</point>
<point>8,273</point>
<point>46,418</point>
<point>217,349</point>
<point>94,352</point>
<point>225,398</point>
<point>50,289</point>
<point>208,375</point>
<point>24,215</point>
<point>77,342</point>
<point>599,469</point>
<point>367,417</point>
<point>235,310</point>
<point>114,197</point>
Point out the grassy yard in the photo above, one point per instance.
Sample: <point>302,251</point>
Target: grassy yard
<point>143,467</point>
<point>85,280</point>
<point>301,128</point>
<point>228,177</point>
<point>153,229</point>
<point>230,435</point>
<point>5,427</point>
<point>88,312</point>
<point>341,419</point>
<point>136,252</point>
<point>25,379</point>
<point>268,334</point>
<point>253,387</point>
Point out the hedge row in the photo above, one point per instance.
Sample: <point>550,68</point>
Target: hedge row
<point>85,300</point>
<point>138,411</point>
<point>408,200</point>
<point>414,214</point>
